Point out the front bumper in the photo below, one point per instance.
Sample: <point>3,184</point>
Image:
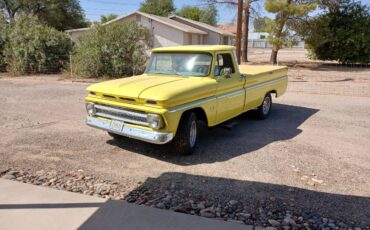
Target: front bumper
<point>131,131</point>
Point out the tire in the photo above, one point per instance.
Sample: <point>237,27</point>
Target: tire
<point>265,108</point>
<point>186,137</point>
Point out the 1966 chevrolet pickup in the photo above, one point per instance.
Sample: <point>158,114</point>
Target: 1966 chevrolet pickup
<point>181,86</point>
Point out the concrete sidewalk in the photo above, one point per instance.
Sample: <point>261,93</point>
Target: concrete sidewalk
<point>25,206</point>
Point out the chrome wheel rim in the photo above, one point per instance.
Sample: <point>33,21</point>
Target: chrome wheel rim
<point>266,105</point>
<point>193,133</point>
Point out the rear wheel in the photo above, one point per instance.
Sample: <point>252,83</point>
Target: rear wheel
<point>265,108</point>
<point>187,134</point>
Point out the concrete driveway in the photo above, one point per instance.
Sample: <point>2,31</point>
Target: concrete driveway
<point>25,206</point>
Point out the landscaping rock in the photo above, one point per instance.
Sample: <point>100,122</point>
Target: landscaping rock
<point>9,177</point>
<point>274,223</point>
<point>272,213</point>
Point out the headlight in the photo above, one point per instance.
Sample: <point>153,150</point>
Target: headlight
<point>155,121</point>
<point>90,109</point>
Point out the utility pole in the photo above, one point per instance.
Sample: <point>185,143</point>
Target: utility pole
<point>239,29</point>
<point>246,30</point>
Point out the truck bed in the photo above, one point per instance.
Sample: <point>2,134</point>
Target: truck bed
<point>262,69</point>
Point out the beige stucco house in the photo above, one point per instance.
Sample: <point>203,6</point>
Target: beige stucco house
<point>214,34</point>
<point>170,31</point>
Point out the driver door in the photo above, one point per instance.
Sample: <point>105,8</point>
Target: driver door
<point>230,90</point>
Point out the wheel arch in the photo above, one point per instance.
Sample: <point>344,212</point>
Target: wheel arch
<point>199,112</point>
<point>274,91</point>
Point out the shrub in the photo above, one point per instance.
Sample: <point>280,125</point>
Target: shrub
<point>342,34</point>
<point>3,33</point>
<point>114,50</point>
<point>35,48</point>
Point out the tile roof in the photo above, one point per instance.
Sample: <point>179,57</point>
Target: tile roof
<point>228,27</point>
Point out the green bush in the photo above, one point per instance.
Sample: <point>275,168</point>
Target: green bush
<point>3,33</point>
<point>342,34</point>
<point>113,50</point>
<point>35,48</point>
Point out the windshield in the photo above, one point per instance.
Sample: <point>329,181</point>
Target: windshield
<point>184,64</point>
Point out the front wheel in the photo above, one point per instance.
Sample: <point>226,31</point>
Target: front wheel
<point>187,134</point>
<point>265,108</point>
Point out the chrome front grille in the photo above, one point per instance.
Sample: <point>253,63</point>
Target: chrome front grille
<point>120,114</point>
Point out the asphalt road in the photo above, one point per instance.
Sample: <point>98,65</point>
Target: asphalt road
<point>316,145</point>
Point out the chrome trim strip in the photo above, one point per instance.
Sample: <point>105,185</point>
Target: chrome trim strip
<point>265,83</point>
<point>191,104</point>
<point>132,132</point>
<point>239,91</point>
<point>122,119</point>
<point>186,106</point>
<point>120,111</point>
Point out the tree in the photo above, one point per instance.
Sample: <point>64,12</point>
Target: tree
<point>107,18</point>
<point>32,47</point>
<point>190,12</point>
<point>285,11</point>
<point>340,34</point>
<point>259,24</point>
<point>99,53</point>
<point>239,30</point>
<point>247,8</point>
<point>10,7</point>
<point>209,15</point>
<point>206,14</point>
<point>158,7</point>
<point>62,15</point>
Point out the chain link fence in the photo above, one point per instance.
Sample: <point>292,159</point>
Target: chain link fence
<point>262,43</point>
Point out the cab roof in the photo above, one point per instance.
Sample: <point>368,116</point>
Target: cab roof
<point>203,48</point>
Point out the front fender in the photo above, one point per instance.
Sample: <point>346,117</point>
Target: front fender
<point>173,115</point>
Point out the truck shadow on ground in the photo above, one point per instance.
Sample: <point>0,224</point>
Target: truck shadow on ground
<point>180,192</point>
<point>220,144</point>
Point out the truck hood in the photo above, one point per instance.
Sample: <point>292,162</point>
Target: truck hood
<point>167,90</point>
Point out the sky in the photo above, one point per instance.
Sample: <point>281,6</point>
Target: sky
<point>95,8</point>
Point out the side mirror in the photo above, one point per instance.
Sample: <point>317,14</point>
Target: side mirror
<point>227,72</point>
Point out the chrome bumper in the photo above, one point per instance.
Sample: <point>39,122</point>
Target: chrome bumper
<point>132,132</point>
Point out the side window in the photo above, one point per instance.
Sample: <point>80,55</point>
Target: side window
<point>223,61</point>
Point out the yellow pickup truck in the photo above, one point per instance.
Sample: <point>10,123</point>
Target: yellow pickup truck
<point>181,86</point>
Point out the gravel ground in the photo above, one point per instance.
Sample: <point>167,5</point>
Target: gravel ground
<point>306,167</point>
